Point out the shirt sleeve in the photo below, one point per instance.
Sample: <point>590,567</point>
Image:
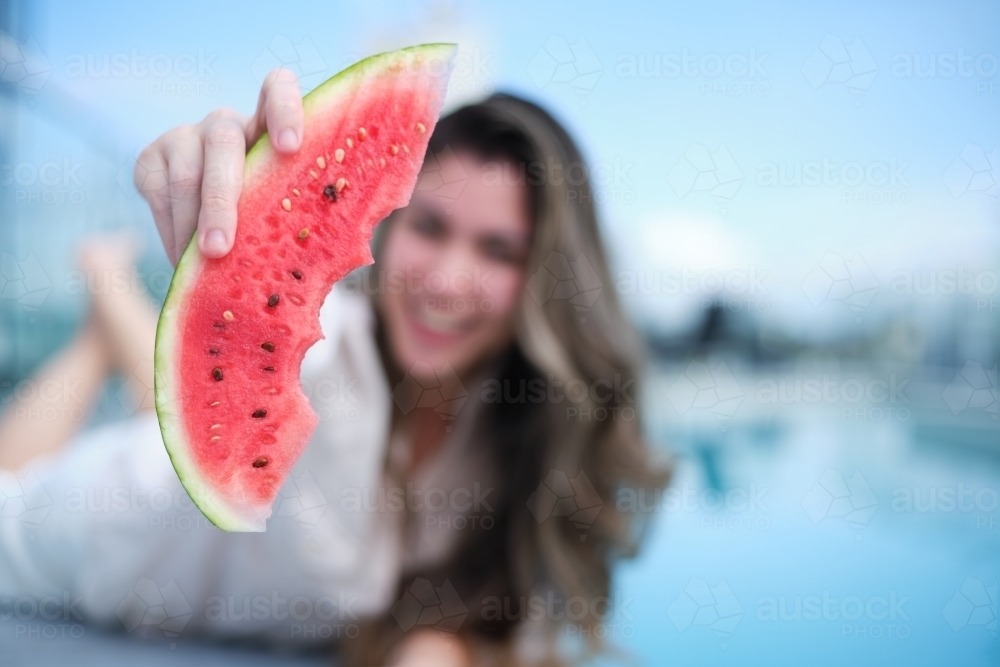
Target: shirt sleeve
<point>106,524</point>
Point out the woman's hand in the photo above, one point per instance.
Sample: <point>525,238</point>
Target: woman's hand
<point>192,175</point>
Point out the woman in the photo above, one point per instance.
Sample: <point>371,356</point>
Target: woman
<point>477,404</point>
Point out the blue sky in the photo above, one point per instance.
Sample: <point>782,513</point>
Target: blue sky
<point>787,113</point>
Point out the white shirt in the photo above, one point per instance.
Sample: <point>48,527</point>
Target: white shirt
<point>106,528</point>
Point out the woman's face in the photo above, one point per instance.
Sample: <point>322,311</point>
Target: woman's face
<point>453,267</point>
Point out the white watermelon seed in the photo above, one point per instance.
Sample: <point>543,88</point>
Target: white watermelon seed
<point>216,437</point>
<point>313,173</point>
<point>362,134</point>
<point>321,162</point>
<point>421,128</point>
<point>303,233</point>
<point>341,184</point>
<point>215,404</point>
<point>286,204</point>
<point>295,191</point>
<point>350,143</point>
<point>228,315</point>
<point>338,155</point>
<point>214,426</point>
<point>394,149</point>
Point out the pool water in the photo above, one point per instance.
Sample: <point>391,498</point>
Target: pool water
<point>807,536</point>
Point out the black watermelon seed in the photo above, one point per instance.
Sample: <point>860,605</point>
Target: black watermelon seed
<point>260,463</point>
<point>273,301</point>
<point>267,346</point>
<point>269,369</point>
<point>213,352</point>
<point>330,192</point>
<point>259,414</point>
<point>297,275</point>
<point>219,325</point>
<point>217,374</point>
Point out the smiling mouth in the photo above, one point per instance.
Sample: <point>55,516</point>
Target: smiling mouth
<point>439,324</point>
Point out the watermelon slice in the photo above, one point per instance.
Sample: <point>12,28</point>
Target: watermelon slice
<point>233,331</point>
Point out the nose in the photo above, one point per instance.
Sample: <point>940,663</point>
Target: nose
<point>454,276</point>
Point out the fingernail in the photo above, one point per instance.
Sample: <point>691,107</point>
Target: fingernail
<point>215,243</point>
<point>288,140</point>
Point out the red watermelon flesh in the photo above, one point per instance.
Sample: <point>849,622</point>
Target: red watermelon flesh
<point>233,331</point>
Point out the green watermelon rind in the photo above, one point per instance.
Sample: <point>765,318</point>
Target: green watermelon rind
<point>216,508</point>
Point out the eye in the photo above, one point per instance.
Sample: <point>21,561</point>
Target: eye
<point>429,226</point>
<point>503,250</point>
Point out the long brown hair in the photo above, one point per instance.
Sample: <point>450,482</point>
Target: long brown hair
<point>570,333</point>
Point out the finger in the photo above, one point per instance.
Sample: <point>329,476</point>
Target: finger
<point>225,150</point>
<point>150,176</point>
<point>184,168</point>
<point>279,112</point>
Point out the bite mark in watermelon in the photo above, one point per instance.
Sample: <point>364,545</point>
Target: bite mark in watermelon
<point>233,331</point>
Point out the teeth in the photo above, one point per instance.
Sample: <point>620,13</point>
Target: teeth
<point>442,322</point>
